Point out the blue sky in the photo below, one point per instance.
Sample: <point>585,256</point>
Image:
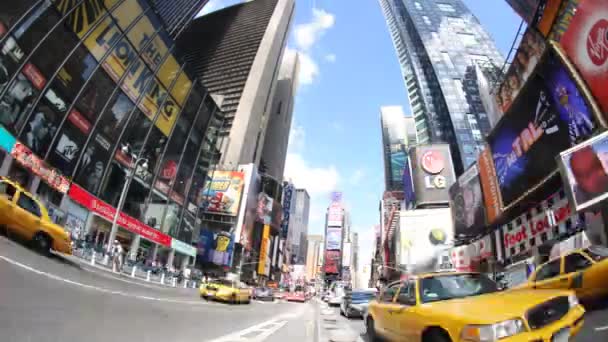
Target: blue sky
<point>348,70</point>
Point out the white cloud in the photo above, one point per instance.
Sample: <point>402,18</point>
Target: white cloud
<point>309,69</point>
<point>316,180</point>
<point>357,176</point>
<point>330,57</point>
<point>306,35</point>
<point>297,138</point>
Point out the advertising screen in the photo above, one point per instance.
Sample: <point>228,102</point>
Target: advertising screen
<point>466,201</point>
<point>335,215</point>
<point>215,247</point>
<point>398,157</point>
<point>408,187</point>
<point>425,235</point>
<point>548,117</point>
<point>332,261</point>
<point>586,43</point>
<point>528,54</point>
<point>287,195</point>
<point>584,169</point>
<point>264,208</point>
<point>432,173</point>
<point>489,186</point>
<point>222,193</point>
<point>333,240</point>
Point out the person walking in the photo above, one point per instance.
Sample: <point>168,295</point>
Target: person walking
<point>116,256</point>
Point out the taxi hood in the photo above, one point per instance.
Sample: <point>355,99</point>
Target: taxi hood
<point>492,307</point>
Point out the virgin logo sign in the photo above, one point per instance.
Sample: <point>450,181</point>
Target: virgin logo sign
<point>597,42</point>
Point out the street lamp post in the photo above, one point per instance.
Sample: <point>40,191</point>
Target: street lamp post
<point>123,195</point>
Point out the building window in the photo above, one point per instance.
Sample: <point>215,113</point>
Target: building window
<point>418,6</point>
<point>467,39</point>
<point>446,59</point>
<point>446,7</point>
<point>426,20</point>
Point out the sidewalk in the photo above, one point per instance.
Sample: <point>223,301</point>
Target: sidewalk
<point>83,260</point>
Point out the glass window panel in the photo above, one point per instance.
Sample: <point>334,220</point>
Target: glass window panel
<point>113,184</point>
<point>95,95</point>
<point>170,224</point>
<point>136,198</point>
<point>11,57</point>
<point>31,30</point>
<point>74,73</point>
<point>186,228</point>
<point>115,117</point>
<point>43,123</point>
<point>17,102</point>
<point>187,166</point>
<point>181,88</point>
<point>54,50</point>
<point>11,11</point>
<point>68,145</point>
<point>93,163</point>
<point>154,148</point>
<point>156,210</point>
<point>134,136</point>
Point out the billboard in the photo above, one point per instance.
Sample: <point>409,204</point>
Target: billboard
<point>408,186</point>
<point>528,54</point>
<point>336,196</point>
<point>264,208</point>
<point>466,201</point>
<point>586,43</point>
<point>332,261</point>
<point>432,172</point>
<point>584,169</point>
<point>333,239</point>
<point>222,193</point>
<point>426,234</point>
<point>398,157</point>
<point>215,247</point>
<point>346,254</point>
<point>335,215</point>
<point>549,116</point>
<point>489,186</point>
<point>288,190</point>
<point>264,248</point>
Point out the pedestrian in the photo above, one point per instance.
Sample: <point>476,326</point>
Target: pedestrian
<point>116,254</point>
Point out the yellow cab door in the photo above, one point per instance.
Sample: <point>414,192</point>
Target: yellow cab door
<point>30,214</point>
<point>550,276</point>
<point>405,325</point>
<point>385,303</point>
<point>8,206</point>
<point>578,268</point>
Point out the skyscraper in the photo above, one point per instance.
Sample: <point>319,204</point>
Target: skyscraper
<point>313,254</point>
<point>398,133</point>
<point>236,52</point>
<point>298,227</point>
<point>281,114</point>
<point>438,43</point>
<point>176,14</point>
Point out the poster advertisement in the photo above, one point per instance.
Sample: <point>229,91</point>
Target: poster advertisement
<point>426,234</point>
<point>335,215</point>
<point>432,173</point>
<point>398,157</point>
<point>215,247</point>
<point>408,186</point>
<point>332,261</point>
<point>584,169</point>
<point>264,247</point>
<point>222,193</point>
<point>264,208</point>
<point>466,200</point>
<point>548,117</point>
<point>586,43</point>
<point>333,239</point>
<point>489,186</point>
<point>288,191</point>
<point>530,50</point>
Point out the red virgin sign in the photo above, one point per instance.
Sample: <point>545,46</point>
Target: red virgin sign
<point>39,167</point>
<point>106,211</point>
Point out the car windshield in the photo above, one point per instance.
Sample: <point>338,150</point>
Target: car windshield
<point>362,297</point>
<point>597,253</point>
<point>299,289</point>
<point>446,287</point>
<point>222,282</point>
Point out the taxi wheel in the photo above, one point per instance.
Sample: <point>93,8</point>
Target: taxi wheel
<point>42,243</point>
<point>370,331</point>
<point>436,335</point>
<point>233,299</point>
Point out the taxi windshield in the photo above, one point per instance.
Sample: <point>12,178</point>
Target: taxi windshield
<point>446,287</point>
<point>597,253</point>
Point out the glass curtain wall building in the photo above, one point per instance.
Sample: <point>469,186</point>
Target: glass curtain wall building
<point>438,43</point>
<point>398,134</point>
<point>80,83</point>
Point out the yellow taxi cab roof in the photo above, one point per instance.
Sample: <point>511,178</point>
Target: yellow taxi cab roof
<point>440,273</point>
<point>13,183</point>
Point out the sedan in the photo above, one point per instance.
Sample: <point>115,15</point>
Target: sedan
<point>448,306</point>
<point>263,294</point>
<point>355,303</point>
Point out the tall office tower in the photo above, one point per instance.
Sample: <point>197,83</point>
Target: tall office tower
<point>281,113</point>
<point>298,227</point>
<point>313,254</point>
<point>398,133</point>
<point>437,43</point>
<point>176,14</point>
<point>236,52</point>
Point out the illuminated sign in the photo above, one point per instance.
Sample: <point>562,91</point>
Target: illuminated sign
<point>28,159</point>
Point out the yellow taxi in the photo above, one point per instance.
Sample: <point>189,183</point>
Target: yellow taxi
<point>224,290</point>
<point>583,270</point>
<point>449,306</point>
<point>23,215</point>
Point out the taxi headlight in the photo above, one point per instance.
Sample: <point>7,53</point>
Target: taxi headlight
<point>492,332</point>
<point>573,300</point>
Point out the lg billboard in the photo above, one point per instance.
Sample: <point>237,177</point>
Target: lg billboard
<point>432,173</point>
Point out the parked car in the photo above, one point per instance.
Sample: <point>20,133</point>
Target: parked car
<point>354,303</point>
<point>583,270</point>
<point>25,216</point>
<point>226,291</point>
<point>444,307</point>
<point>336,295</point>
<point>263,293</point>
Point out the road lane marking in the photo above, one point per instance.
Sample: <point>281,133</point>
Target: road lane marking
<point>97,288</point>
<point>265,329</point>
<point>602,328</point>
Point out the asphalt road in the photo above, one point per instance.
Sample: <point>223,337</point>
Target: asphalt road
<point>53,299</point>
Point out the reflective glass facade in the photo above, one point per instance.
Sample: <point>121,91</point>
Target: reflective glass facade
<point>80,80</point>
<point>438,44</point>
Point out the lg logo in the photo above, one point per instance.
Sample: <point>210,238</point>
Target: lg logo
<point>435,182</point>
